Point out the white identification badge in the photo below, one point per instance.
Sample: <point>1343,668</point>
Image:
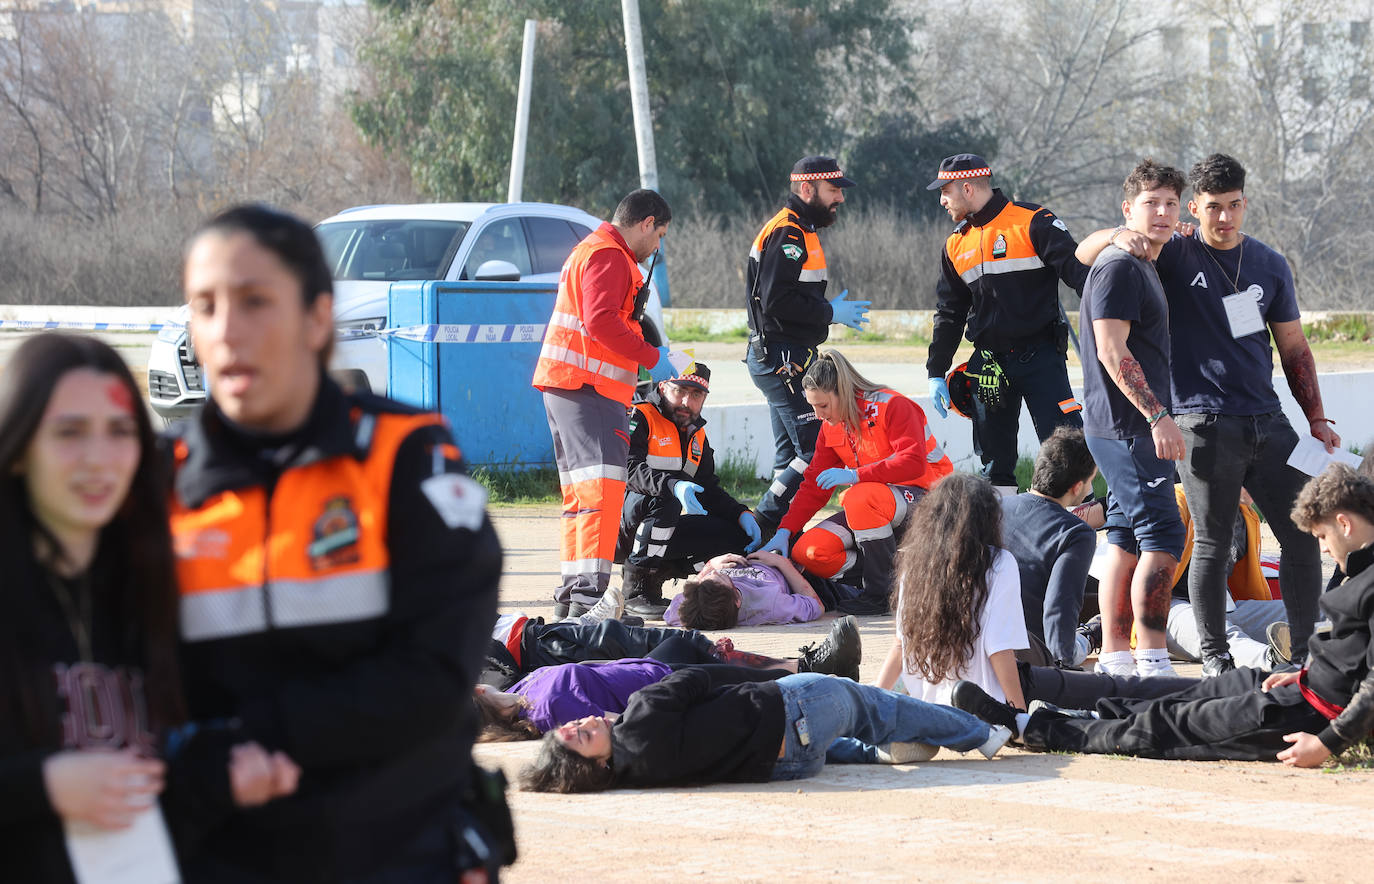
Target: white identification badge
<point>458,500</point>
<point>140,854</point>
<point>1243,313</point>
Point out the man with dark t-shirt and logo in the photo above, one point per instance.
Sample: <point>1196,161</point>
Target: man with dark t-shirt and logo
<point>1228,292</point>
<point>1124,323</point>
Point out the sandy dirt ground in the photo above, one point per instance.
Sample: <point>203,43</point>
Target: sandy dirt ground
<point>1019,817</point>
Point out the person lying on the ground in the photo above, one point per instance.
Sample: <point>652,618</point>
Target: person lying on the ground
<point>688,729</point>
<point>554,695</point>
<point>765,589</point>
<point>519,645</point>
<point>1300,718</point>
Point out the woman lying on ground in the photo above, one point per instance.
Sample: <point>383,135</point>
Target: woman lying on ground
<point>553,695</point>
<point>689,729</point>
<point>520,645</point>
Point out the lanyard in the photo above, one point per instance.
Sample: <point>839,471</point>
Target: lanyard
<point>1240,256</point>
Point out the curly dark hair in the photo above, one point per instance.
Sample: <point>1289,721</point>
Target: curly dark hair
<point>1338,488</point>
<point>1149,175</point>
<point>560,769</point>
<point>942,574</point>
<point>1217,173</point>
<point>1063,461</point>
<point>708,603</point>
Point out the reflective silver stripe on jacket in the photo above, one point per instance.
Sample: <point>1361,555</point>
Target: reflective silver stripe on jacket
<point>342,598</point>
<point>820,275</point>
<point>1006,265</point>
<point>595,471</point>
<point>595,366</point>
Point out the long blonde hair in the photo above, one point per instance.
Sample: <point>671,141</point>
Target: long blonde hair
<point>833,373</point>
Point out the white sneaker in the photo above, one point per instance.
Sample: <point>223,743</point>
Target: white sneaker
<point>1155,670</point>
<point>995,741</point>
<point>609,607</point>
<point>905,753</point>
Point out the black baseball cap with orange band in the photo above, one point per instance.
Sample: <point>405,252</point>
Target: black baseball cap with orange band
<point>959,167</point>
<point>820,169</point>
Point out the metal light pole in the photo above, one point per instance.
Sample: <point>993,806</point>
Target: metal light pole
<point>644,124</point>
<point>515,192</point>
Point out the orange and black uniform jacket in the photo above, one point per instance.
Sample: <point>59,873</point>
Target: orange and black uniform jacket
<point>786,270</point>
<point>661,454</point>
<point>331,605</point>
<point>1000,272</point>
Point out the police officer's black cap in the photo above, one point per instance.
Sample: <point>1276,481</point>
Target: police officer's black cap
<point>820,169</point>
<point>959,167</point>
<point>697,375</point>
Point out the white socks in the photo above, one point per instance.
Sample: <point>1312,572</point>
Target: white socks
<point>1151,662</point>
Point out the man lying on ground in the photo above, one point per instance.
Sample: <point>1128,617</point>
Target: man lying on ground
<point>765,589</point>
<point>1301,718</point>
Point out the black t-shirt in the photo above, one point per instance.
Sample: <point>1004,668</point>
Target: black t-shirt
<point>1121,286</point>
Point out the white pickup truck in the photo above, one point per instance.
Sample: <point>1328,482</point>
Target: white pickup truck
<point>370,247</point>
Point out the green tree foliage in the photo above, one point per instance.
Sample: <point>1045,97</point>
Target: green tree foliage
<point>739,89</point>
<point>904,155</point>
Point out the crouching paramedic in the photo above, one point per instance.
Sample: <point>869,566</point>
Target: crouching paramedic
<point>338,581</point>
<point>676,514</point>
<point>877,441</point>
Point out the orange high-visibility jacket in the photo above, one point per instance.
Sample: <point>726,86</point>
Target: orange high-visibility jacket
<point>894,446</point>
<point>571,357</point>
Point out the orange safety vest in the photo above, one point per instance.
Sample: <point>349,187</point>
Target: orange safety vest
<point>313,553</point>
<point>1001,247</point>
<point>813,268</point>
<point>665,444</point>
<point>571,357</point>
<point>1246,580</point>
<point>874,444</point>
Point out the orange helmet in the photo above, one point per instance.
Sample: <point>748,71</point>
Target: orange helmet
<point>960,391</point>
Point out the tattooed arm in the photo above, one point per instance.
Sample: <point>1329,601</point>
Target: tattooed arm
<point>1301,370</point>
<point>1126,372</point>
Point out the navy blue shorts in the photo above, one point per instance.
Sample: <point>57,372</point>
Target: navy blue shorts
<point>1142,512</point>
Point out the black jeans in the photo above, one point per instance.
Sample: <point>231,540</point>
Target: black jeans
<point>1081,690</point>
<point>1224,717</point>
<point>1037,374</point>
<point>654,534</point>
<point>1226,452</point>
<point>549,644</point>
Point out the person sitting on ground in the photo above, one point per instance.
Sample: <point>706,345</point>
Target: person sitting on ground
<point>765,589</point>
<point>688,729</point>
<point>877,441</point>
<point>1053,548</point>
<point>1299,717</point>
<point>519,645</point>
<point>676,515</point>
<point>554,695</point>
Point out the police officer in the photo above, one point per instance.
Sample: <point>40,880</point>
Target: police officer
<point>676,513</point>
<point>789,317</point>
<point>999,283</point>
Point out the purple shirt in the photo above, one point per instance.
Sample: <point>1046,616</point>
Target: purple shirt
<point>764,598</point>
<point>564,693</point>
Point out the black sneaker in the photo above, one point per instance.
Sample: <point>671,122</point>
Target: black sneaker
<point>839,654</point>
<point>646,608</point>
<point>1218,665</point>
<point>976,701</point>
<point>1092,631</point>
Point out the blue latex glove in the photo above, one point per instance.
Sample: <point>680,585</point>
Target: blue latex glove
<point>939,394</point>
<point>851,313</point>
<point>779,542</point>
<point>663,369</point>
<point>835,477</point>
<point>750,524</point>
<point>686,493</point>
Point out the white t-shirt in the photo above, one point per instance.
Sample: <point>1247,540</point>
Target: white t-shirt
<point>1002,628</point>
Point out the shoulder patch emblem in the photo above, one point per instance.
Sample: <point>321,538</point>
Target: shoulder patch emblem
<point>335,540</point>
<point>1060,225</point>
<point>792,251</point>
<point>999,247</point>
<point>458,500</point>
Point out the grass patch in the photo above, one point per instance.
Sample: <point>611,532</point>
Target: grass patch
<point>1025,468</point>
<point>737,478</point>
<point>1358,757</point>
<point>510,485</point>
<point>694,332</point>
<point>1343,327</point>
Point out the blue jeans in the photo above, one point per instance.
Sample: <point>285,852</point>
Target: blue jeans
<point>795,427</point>
<point>826,708</point>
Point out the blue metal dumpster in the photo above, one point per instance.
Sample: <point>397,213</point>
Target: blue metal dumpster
<point>482,341</point>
